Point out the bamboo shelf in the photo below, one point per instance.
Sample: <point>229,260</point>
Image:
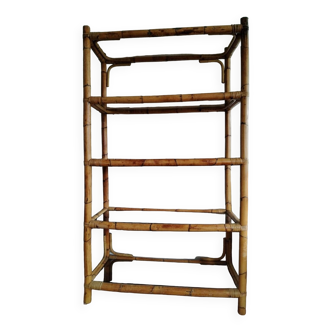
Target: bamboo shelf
<point>233,223</point>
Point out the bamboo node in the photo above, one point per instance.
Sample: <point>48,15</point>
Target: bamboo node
<point>95,285</point>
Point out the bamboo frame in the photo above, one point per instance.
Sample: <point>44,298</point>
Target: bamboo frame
<point>232,223</point>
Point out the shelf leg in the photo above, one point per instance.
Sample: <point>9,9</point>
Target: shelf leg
<point>87,169</point>
<point>228,154</point>
<point>244,168</point>
<point>105,169</point>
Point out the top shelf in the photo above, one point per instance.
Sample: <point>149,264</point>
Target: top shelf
<point>209,30</point>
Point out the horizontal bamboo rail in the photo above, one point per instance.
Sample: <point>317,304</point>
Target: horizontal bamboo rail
<point>203,108</point>
<point>164,162</point>
<point>233,216</point>
<point>207,30</point>
<point>162,227</point>
<point>218,211</point>
<point>165,290</point>
<point>167,98</point>
<point>161,58</point>
<point>168,260</point>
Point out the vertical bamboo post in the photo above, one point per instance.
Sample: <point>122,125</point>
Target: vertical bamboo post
<point>228,187</point>
<point>244,167</point>
<point>108,267</point>
<point>87,157</point>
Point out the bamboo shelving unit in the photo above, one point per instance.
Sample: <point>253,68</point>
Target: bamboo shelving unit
<point>232,223</point>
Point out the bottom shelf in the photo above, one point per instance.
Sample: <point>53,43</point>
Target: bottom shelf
<point>223,287</point>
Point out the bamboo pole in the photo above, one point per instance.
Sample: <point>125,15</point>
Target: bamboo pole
<point>166,110</point>
<point>207,30</point>
<point>200,260</point>
<point>118,61</point>
<point>167,98</point>
<point>165,162</point>
<point>228,133</point>
<point>160,57</point>
<point>217,211</point>
<point>87,168</point>
<point>162,227</point>
<point>165,290</point>
<point>244,167</point>
<point>103,84</point>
